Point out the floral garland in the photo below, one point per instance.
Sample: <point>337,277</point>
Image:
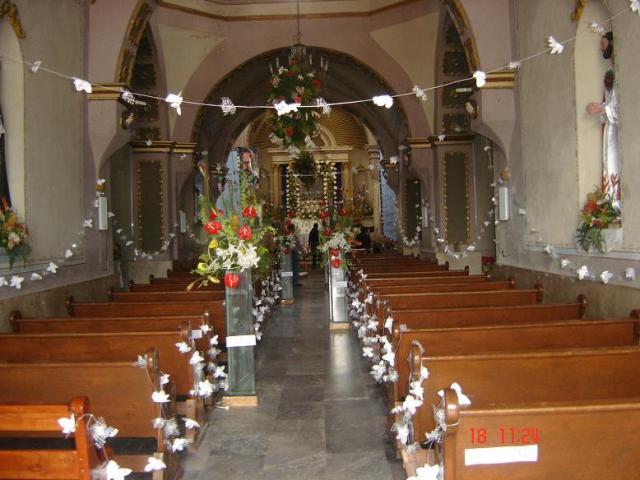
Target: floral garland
<point>597,214</point>
<point>417,236</point>
<point>13,234</point>
<point>336,235</point>
<point>295,84</point>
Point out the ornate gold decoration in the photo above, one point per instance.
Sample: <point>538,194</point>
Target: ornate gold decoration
<point>163,146</point>
<point>461,21</point>
<point>419,142</point>
<point>136,27</point>
<point>579,10</point>
<point>504,79</point>
<point>448,156</point>
<point>10,11</point>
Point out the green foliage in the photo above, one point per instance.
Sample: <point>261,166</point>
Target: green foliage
<point>597,214</point>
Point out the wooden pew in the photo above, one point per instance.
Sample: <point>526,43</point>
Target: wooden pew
<point>113,347</point>
<point>172,274</point>
<point>117,324</point>
<point>444,287</point>
<point>17,420</point>
<point>214,308</point>
<point>508,337</point>
<point>119,392</point>
<point>571,375</point>
<point>170,296</point>
<point>170,287</point>
<point>412,273</point>
<point>477,316</point>
<point>560,432</point>
<point>409,301</point>
<point>381,282</point>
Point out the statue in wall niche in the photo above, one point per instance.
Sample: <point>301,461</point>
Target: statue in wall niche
<point>608,111</point>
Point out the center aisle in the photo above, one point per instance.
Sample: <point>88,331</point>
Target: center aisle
<point>320,413</point>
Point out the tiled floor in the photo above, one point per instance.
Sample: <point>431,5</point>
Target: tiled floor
<point>320,414</point>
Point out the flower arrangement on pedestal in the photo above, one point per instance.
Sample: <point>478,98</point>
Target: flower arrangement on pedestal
<point>235,241</point>
<point>304,167</point>
<point>294,85</point>
<point>596,215</point>
<point>13,234</point>
<point>336,235</point>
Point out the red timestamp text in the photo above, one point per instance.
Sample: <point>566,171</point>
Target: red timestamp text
<point>504,436</point>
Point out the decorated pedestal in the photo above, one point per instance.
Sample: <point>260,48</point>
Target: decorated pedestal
<point>286,277</point>
<point>337,294</point>
<point>240,334</point>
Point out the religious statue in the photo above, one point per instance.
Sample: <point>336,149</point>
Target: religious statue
<point>608,111</point>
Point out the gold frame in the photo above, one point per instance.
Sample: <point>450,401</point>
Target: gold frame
<point>139,198</point>
<point>135,29</point>
<point>467,194</point>
<point>10,10</point>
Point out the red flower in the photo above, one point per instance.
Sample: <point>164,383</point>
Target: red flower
<point>597,223</point>
<point>289,74</point>
<point>335,263</point>
<point>289,131</point>
<point>327,232</point>
<point>335,252</point>
<point>249,212</point>
<point>590,207</point>
<point>213,215</point>
<point>343,212</point>
<point>245,232</point>
<point>291,214</point>
<point>231,280</point>
<point>316,83</point>
<point>213,228</point>
<point>286,251</point>
<point>297,99</point>
<point>324,215</point>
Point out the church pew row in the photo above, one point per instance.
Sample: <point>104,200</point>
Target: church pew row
<point>213,308</point>
<point>174,274</point>
<point>410,272</point>
<point>563,334</point>
<point>402,281</point>
<point>180,281</point>
<point>490,379</point>
<point>18,420</point>
<point>114,347</point>
<point>120,392</point>
<point>175,296</point>
<point>202,337</point>
<point>559,433</point>
<point>400,268</point>
<point>170,287</point>
<point>444,287</point>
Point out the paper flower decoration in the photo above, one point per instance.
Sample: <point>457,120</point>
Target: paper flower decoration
<point>583,272</point>
<point>214,340</point>
<point>383,101</point>
<point>606,276</point>
<point>160,396</point>
<point>68,253</point>
<point>471,248</point>
<point>596,28</point>
<point>424,373</point>
<point>190,423</point>
<point>35,66</point>
<point>114,472</point>
<point>635,6</point>
<point>441,137</point>
<point>154,464</point>
<point>219,373</point>
<point>67,424</point>
<point>87,223</point>
<point>3,282</point>
<point>428,472</point>
<point>175,101</point>
<point>522,211</point>
<point>205,388</point>
<point>390,358</point>
<point>227,106</point>
<point>462,398</point>
<point>514,65</point>
<point>16,282</point>
<point>164,378</point>
<point>196,358</point>
<point>179,444</point>
<point>402,431</point>
<point>564,263</point>
<point>36,276</point>
<point>630,273</point>
<point>205,328</point>
<point>82,85</point>
<point>183,347</point>
<point>548,249</point>
<point>411,404</point>
<point>284,108</point>
<point>554,45</point>
<point>481,78</point>
<point>52,267</point>
<point>420,93</point>
<point>388,324</point>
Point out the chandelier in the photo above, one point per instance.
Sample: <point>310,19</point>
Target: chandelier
<point>298,54</point>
